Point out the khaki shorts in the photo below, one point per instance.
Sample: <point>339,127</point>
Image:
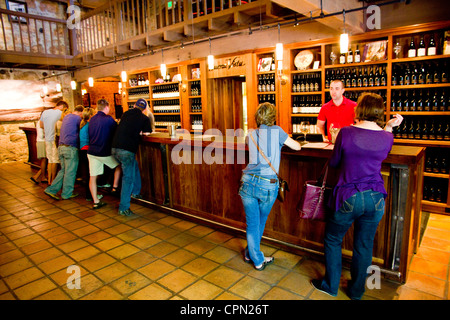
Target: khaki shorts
<point>52,152</point>
<point>96,164</point>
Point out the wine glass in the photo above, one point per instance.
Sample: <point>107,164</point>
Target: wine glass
<point>333,57</point>
<point>304,128</point>
<point>397,49</point>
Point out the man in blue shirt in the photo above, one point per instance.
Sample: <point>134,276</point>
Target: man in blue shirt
<point>68,156</point>
<point>101,130</point>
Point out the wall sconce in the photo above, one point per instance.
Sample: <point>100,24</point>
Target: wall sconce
<point>344,38</point>
<point>120,87</point>
<point>83,92</point>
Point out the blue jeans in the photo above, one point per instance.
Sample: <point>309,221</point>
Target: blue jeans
<point>365,209</point>
<point>131,177</point>
<point>68,158</point>
<point>258,197</point>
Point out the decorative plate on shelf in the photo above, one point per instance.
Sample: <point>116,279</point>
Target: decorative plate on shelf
<point>303,59</point>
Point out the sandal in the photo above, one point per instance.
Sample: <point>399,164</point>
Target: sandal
<point>98,205</point>
<point>267,261</point>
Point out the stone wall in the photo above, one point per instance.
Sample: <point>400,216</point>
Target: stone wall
<point>13,142</point>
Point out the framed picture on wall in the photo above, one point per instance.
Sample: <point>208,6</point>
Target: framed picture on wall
<point>86,100</point>
<point>18,7</point>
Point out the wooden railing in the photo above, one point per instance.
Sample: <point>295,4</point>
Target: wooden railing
<point>33,35</point>
<point>125,19</point>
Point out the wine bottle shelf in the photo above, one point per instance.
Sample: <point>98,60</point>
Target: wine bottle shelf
<point>424,58</point>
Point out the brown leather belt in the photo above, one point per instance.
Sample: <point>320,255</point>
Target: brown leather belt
<point>270,180</point>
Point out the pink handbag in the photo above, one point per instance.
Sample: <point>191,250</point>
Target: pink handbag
<point>314,199</point>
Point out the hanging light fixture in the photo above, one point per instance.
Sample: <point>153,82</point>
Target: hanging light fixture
<point>344,38</point>
<point>123,74</point>
<point>210,58</point>
<point>163,66</point>
<point>279,47</point>
<point>91,81</point>
<point>58,87</point>
<point>73,84</point>
<point>45,89</point>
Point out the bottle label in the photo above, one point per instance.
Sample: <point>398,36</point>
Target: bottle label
<point>421,52</point>
<point>349,59</point>
<point>432,51</point>
<point>411,53</point>
<point>342,60</point>
<point>357,58</point>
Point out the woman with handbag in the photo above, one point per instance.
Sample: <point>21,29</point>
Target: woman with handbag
<point>259,182</point>
<point>359,194</point>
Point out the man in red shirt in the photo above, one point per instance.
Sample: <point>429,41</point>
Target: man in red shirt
<point>338,112</point>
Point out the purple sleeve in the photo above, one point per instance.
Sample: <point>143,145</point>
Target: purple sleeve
<point>337,151</point>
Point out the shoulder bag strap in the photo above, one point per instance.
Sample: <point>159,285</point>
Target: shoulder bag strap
<point>265,158</point>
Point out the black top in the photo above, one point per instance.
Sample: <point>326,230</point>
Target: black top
<point>127,136</point>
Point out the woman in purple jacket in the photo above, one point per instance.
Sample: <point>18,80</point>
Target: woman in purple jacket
<point>359,194</point>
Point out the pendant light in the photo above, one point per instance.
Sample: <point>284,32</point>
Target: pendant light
<point>163,66</point>
<point>344,38</point>
<point>73,84</point>
<point>58,87</point>
<point>123,74</point>
<point>210,58</point>
<point>279,47</point>
<point>91,81</point>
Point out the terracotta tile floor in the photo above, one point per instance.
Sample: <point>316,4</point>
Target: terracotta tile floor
<point>153,255</point>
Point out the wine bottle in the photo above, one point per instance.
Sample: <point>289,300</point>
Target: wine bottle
<point>357,55</point>
<point>406,103</point>
<point>418,131</point>
<point>447,132</point>
<point>383,76</point>
<point>425,131</point>
<point>443,103</point>
<point>431,131</point>
<point>444,165</point>
<point>407,76</point>
<point>427,104</point>
<point>436,166</point>
<point>435,102</point>
<point>429,164</point>
<point>421,50</point>
<point>350,55</point>
<point>440,132</point>
<point>411,130</point>
<point>413,103</point>
<point>415,75</point>
<point>399,102</point>
<point>425,192</point>
<point>394,76</point>
<point>431,47</point>
<point>429,75</point>
<point>412,49</point>
<point>422,73</point>
<point>444,73</point>
<point>394,102</point>
<point>377,80</point>
<point>419,104</point>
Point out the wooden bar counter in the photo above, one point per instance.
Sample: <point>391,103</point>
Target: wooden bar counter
<point>208,191</point>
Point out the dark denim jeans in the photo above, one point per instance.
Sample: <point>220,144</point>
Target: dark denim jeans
<point>131,177</point>
<point>365,209</point>
<point>258,197</point>
<point>68,158</point>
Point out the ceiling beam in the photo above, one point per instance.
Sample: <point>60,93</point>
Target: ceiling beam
<point>353,21</point>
